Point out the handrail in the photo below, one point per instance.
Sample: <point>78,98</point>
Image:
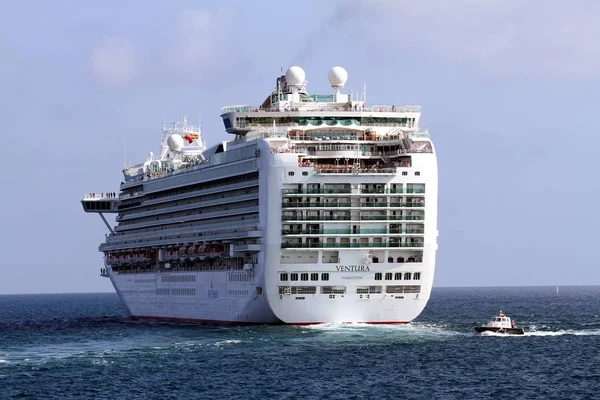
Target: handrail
<point>349,231</point>
<point>306,106</point>
<point>347,245</point>
<point>101,196</point>
<point>333,204</point>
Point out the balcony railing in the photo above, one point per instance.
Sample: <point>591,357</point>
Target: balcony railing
<point>349,231</point>
<point>316,191</point>
<point>315,204</point>
<point>382,204</point>
<point>349,218</point>
<point>351,191</point>
<point>393,204</point>
<point>391,191</point>
<point>346,245</point>
<point>392,217</point>
<point>345,204</point>
<point>402,231</point>
<point>417,204</point>
<point>349,170</point>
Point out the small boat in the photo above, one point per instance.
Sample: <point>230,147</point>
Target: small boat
<point>501,324</point>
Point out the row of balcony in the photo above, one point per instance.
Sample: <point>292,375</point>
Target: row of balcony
<point>345,190</point>
<point>349,218</point>
<point>348,231</point>
<point>347,245</point>
<point>300,204</point>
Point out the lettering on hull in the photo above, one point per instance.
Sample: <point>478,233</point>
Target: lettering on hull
<point>352,268</point>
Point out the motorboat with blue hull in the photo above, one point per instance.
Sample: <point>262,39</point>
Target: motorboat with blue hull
<point>501,324</point>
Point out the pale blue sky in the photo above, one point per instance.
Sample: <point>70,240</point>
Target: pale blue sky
<point>509,90</point>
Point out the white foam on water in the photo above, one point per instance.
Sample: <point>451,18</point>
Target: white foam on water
<point>227,342</point>
<point>498,334</point>
<point>4,361</point>
<point>566,332</point>
<point>410,329</point>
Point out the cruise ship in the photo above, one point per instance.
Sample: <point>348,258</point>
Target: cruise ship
<point>321,208</point>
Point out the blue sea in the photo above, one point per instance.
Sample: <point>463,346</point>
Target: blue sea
<point>83,346</point>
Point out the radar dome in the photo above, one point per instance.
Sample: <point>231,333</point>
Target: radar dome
<point>175,142</point>
<point>337,77</point>
<point>295,76</point>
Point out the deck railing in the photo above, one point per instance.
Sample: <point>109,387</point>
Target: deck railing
<point>346,245</point>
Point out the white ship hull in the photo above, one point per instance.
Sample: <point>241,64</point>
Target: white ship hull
<point>208,298</point>
<point>211,297</point>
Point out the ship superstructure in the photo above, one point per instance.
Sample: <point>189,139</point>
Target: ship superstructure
<point>320,209</point>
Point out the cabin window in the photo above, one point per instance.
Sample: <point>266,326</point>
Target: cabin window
<point>325,276</point>
<point>305,173</point>
<point>407,276</point>
<point>398,276</point>
<point>283,277</point>
<point>294,277</point>
<point>417,276</point>
<point>404,173</point>
<point>388,276</point>
<point>314,277</point>
<point>291,173</point>
<point>304,276</point>
<point>378,276</point>
<point>417,173</point>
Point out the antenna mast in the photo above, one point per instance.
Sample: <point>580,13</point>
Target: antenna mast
<point>365,92</point>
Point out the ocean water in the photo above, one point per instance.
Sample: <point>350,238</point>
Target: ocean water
<point>83,346</point>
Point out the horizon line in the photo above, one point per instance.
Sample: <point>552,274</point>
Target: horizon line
<point>434,287</point>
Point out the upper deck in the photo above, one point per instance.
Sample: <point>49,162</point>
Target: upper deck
<point>291,105</point>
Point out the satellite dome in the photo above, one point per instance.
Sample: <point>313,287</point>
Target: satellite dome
<point>337,77</point>
<point>295,76</point>
<point>175,142</point>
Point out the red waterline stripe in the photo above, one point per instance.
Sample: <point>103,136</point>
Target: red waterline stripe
<point>237,323</point>
<point>196,321</point>
<point>350,323</point>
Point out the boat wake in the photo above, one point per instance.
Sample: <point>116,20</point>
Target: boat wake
<point>406,330</point>
<point>529,333</point>
<point>566,332</point>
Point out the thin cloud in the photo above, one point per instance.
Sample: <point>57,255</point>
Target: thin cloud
<point>113,61</point>
<point>200,42</point>
<point>522,37</point>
